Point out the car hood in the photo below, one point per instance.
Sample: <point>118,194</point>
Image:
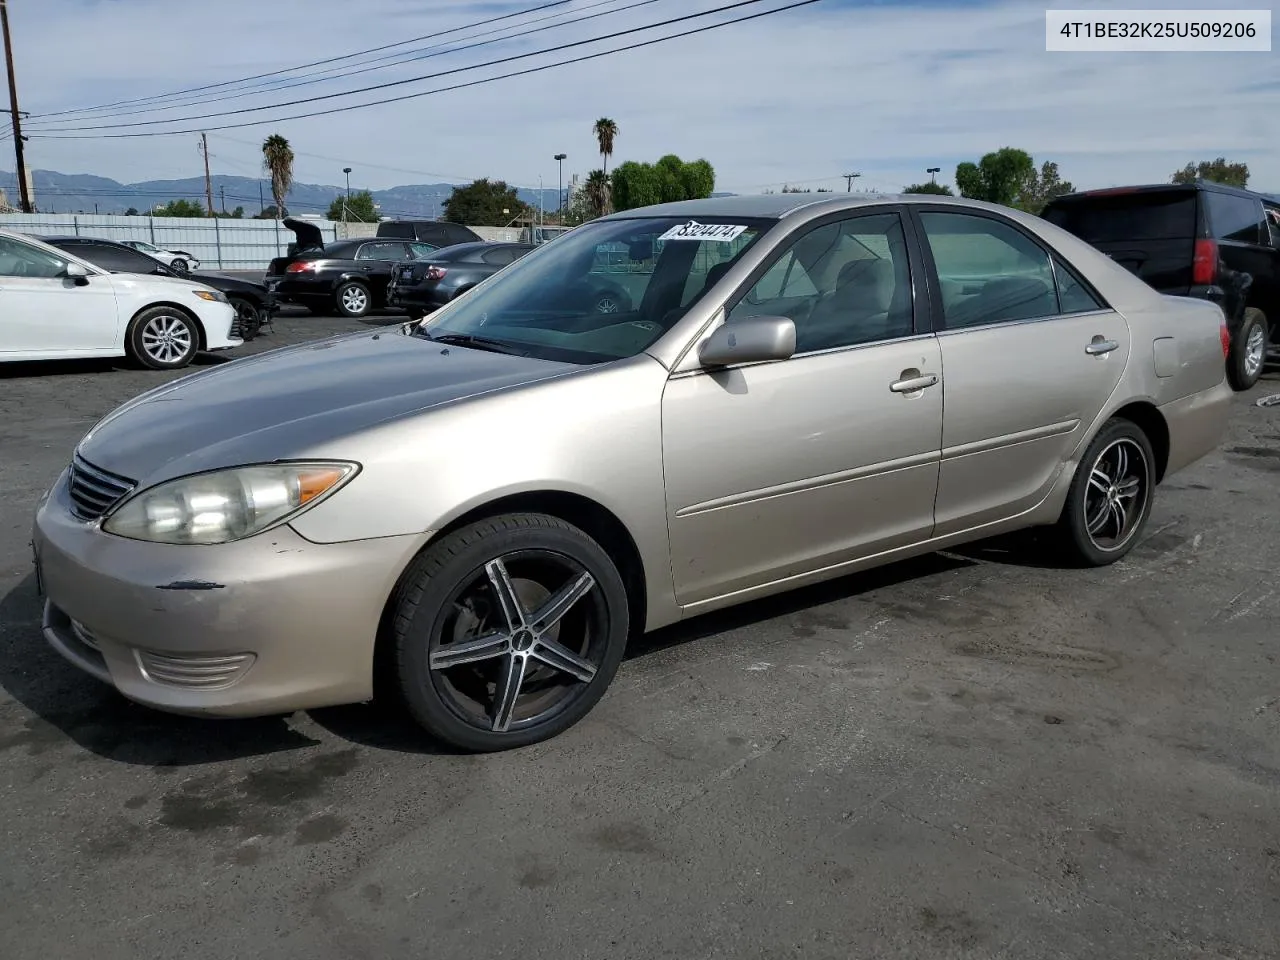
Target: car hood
<point>286,402</point>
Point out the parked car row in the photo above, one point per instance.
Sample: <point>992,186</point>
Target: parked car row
<point>1203,240</point>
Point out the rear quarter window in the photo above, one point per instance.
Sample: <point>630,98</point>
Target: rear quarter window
<point>1123,217</point>
<point>1235,218</point>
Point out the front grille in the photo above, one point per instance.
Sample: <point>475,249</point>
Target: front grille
<point>194,673</point>
<point>95,491</point>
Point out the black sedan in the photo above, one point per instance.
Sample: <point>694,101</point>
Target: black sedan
<point>419,287</point>
<point>346,276</point>
<point>253,302</point>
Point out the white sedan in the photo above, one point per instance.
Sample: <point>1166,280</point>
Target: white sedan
<point>54,306</point>
<point>178,260</point>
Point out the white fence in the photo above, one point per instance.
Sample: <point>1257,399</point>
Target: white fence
<point>219,244</point>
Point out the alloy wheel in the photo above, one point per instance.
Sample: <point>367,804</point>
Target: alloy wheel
<point>606,304</point>
<point>521,639</point>
<point>1116,495</point>
<point>354,299</point>
<point>166,338</point>
<point>1255,351</point>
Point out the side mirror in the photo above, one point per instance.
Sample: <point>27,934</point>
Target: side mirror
<point>749,340</point>
<point>78,273</point>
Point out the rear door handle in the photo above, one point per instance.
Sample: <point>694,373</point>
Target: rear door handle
<point>912,384</point>
<point>1099,346</point>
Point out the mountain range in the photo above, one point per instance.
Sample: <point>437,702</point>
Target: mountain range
<point>84,193</point>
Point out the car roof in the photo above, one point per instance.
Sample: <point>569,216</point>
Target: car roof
<point>778,205</point>
<point>1148,188</point>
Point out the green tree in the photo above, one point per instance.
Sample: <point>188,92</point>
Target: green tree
<point>277,160</point>
<point>669,180</point>
<point>1043,187</point>
<point>481,203</point>
<point>131,212</point>
<point>999,177</point>
<point>938,189</point>
<point>596,192</point>
<point>1217,171</point>
<point>181,208</point>
<point>605,132</point>
<point>359,208</point>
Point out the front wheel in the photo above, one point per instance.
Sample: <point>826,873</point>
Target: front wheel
<point>352,300</point>
<point>1110,497</point>
<point>163,338</point>
<point>179,265</point>
<point>508,631</point>
<point>1248,351</point>
<point>248,321</point>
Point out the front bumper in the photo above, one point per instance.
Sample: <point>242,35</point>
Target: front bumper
<point>267,625</point>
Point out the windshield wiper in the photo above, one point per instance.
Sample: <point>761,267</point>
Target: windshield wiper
<point>477,343</point>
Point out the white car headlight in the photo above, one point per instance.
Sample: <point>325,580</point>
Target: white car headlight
<point>228,504</point>
<point>213,296</point>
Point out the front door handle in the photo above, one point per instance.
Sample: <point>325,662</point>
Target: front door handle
<point>912,384</point>
<point>1098,346</point>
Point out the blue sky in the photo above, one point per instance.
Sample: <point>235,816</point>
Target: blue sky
<point>883,88</point>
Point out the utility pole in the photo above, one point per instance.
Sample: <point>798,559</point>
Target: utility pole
<point>222,193</point>
<point>262,203</point>
<point>18,138</point>
<point>849,178</point>
<point>208,182</point>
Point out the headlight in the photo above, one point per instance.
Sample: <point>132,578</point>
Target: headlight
<point>213,296</point>
<point>228,504</point>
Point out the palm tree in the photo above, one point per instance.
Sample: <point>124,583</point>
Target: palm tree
<point>606,131</point>
<point>277,159</point>
<point>596,190</point>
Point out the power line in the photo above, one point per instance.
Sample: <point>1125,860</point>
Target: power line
<point>314,63</point>
<point>343,73</point>
<point>445,73</point>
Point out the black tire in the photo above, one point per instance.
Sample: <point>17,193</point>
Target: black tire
<point>1089,512</point>
<point>179,265</point>
<point>248,317</point>
<point>163,338</point>
<point>1248,356</point>
<point>444,593</point>
<point>353,300</point>
<point>609,301</point>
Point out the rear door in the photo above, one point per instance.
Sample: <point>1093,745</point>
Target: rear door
<point>377,258</point>
<point>1030,355</point>
<point>1239,224</point>
<point>1151,233</point>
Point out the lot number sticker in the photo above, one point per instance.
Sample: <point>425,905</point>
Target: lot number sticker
<point>723,232</point>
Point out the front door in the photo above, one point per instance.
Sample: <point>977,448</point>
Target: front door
<point>44,312</point>
<point>775,470</point>
<point>1031,355</point>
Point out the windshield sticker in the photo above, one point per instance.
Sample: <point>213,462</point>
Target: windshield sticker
<point>723,232</point>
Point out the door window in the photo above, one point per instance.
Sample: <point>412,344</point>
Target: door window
<point>499,257</point>
<point>1073,295</point>
<point>422,251</point>
<point>118,259</point>
<point>19,259</point>
<point>989,272</point>
<point>843,283</point>
<point>1234,218</point>
<point>383,251</point>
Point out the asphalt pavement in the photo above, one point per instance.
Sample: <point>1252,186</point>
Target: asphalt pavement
<point>968,755</point>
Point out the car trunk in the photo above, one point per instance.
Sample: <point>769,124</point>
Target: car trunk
<point>309,241</point>
<point>1151,233</point>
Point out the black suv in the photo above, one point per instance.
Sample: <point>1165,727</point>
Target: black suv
<point>438,233</point>
<point>1202,239</point>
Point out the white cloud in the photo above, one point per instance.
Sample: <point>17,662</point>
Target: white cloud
<point>804,96</point>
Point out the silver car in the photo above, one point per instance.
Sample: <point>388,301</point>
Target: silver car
<point>483,508</point>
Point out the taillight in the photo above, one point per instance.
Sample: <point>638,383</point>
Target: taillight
<point>301,266</point>
<point>1225,334</point>
<point>436,273</point>
<point>1204,264</point>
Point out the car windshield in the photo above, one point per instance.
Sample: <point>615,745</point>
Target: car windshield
<point>604,291</point>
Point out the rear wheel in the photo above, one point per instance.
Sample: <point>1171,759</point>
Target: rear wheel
<point>352,299</point>
<point>1248,350</point>
<point>508,632</point>
<point>163,338</point>
<point>1110,497</point>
